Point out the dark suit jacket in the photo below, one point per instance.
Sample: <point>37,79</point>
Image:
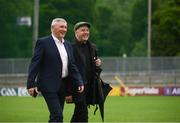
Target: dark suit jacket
<point>46,66</point>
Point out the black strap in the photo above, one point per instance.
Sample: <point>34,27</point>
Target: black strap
<point>96,109</point>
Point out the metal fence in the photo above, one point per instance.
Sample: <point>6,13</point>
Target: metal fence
<point>132,70</point>
<point>155,71</point>
<point>14,66</point>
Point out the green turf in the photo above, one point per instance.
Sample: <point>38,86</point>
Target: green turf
<point>117,109</point>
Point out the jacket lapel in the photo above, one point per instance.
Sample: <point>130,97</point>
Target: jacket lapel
<point>54,47</point>
<point>92,51</point>
<point>67,50</point>
<point>80,55</point>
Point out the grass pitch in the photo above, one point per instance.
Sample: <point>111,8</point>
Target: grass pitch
<point>117,109</point>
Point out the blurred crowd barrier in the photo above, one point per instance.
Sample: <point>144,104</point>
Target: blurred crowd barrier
<point>133,71</point>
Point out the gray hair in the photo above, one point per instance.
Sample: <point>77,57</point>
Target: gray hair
<point>56,20</point>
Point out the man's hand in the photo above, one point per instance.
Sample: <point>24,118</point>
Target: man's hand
<point>33,91</point>
<point>98,62</point>
<point>68,99</point>
<point>81,89</point>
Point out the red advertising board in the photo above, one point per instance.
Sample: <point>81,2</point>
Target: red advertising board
<point>156,91</point>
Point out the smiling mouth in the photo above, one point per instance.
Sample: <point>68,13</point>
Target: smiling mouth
<point>62,33</point>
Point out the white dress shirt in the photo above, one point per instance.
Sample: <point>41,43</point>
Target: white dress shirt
<point>63,55</point>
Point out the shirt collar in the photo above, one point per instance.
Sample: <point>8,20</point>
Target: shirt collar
<point>57,40</point>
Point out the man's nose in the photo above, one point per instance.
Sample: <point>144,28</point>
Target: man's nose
<point>64,29</point>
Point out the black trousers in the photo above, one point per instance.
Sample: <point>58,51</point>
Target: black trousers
<point>55,103</point>
<point>81,107</point>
